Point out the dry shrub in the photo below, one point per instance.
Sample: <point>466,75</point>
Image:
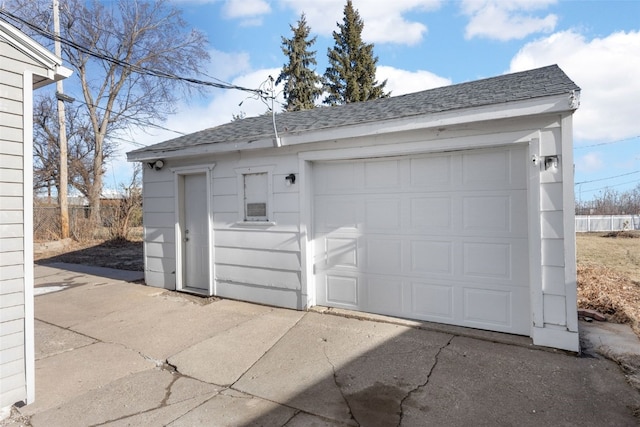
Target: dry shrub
<point>627,234</point>
<point>83,230</point>
<point>612,294</point>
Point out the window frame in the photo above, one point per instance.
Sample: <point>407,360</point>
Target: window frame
<point>242,214</point>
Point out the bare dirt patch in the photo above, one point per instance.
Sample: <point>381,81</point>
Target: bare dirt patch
<point>120,254</point>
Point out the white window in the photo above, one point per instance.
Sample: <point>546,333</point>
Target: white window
<point>255,194</point>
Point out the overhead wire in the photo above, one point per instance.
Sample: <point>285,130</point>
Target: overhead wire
<point>606,143</point>
<point>607,178</point>
<point>135,68</point>
<point>591,190</point>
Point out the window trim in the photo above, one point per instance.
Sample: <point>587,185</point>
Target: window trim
<point>240,173</point>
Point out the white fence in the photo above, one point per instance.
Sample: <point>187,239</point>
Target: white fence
<point>585,223</point>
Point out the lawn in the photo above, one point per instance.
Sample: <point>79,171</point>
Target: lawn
<point>609,275</point>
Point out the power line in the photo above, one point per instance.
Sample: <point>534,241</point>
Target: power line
<point>606,143</point>
<point>608,186</point>
<point>135,68</point>
<point>607,178</point>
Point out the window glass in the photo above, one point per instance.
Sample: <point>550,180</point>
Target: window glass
<point>256,196</point>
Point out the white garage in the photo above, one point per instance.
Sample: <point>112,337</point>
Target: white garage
<point>438,237</point>
<point>451,205</point>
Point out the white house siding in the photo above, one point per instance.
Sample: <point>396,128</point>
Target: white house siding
<point>159,234</point>
<point>13,65</point>
<point>257,262</point>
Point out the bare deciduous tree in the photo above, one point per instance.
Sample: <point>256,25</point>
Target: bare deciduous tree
<point>121,53</point>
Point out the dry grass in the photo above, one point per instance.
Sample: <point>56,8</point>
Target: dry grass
<point>609,276</point>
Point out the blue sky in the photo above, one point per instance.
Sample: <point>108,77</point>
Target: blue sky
<point>422,44</point>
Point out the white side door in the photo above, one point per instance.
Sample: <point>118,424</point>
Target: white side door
<point>196,233</point>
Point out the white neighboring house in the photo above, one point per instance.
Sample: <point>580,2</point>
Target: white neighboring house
<point>24,66</point>
<point>452,205</point>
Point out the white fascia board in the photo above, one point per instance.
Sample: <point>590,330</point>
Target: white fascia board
<point>36,52</point>
<point>28,46</point>
<point>537,106</point>
<point>197,150</point>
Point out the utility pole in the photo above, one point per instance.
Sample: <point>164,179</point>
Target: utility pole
<point>62,137</point>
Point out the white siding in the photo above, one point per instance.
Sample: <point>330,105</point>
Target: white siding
<point>252,260</point>
<point>12,356</point>
<point>16,362</point>
<point>159,236</point>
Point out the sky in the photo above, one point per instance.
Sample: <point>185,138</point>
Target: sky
<point>423,44</point>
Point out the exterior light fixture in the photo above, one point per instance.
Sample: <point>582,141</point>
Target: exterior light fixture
<point>290,179</point>
<point>157,165</point>
<point>551,162</point>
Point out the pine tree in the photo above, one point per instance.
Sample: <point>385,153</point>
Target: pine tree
<point>351,75</point>
<point>302,85</point>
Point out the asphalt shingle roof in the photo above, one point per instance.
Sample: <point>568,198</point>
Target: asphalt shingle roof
<point>541,82</point>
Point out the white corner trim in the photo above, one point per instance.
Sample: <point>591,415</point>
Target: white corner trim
<point>27,221</point>
<point>535,237</point>
<point>561,338</point>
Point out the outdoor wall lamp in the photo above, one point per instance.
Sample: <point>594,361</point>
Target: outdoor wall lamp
<point>157,165</point>
<point>551,162</point>
<point>290,179</point>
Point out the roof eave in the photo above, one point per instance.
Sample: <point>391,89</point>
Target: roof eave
<point>198,150</point>
<point>536,106</point>
<point>35,51</point>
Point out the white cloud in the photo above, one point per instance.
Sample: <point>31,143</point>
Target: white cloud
<point>590,162</point>
<point>384,21</point>
<point>401,82</point>
<point>507,20</point>
<point>225,65</point>
<point>245,8</point>
<point>607,71</point>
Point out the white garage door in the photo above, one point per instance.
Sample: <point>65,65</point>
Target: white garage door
<point>437,237</point>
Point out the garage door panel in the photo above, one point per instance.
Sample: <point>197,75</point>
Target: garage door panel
<point>430,172</point>
<point>486,168</point>
<point>496,260</point>
<point>342,290</point>
<point>430,213</point>
<point>432,300</point>
<point>433,237</point>
<point>384,294</point>
<point>341,252</point>
<point>491,212</point>
<point>487,307</point>
<point>383,255</point>
<point>381,175</point>
<point>382,214</point>
<point>338,177</point>
<point>431,256</point>
<point>338,212</point>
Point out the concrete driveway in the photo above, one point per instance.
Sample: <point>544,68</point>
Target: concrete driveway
<point>111,352</point>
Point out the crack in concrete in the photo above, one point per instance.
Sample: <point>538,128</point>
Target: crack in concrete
<point>163,403</point>
<point>335,380</point>
<point>420,386</point>
<point>231,386</point>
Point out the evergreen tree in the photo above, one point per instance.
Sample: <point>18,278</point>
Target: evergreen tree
<point>302,85</point>
<point>351,75</point>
